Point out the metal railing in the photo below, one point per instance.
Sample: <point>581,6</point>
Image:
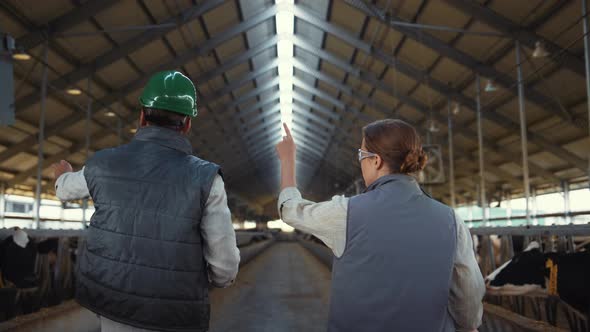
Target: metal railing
<point>498,319</point>
<point>564,215</point>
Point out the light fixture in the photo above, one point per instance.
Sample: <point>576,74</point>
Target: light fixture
<point>432,127</point>
<point>286,97</point>
<point>456,108</point>
<point>285,70</point>
<point>74,91</point>
<point>285,27</point>
<point>21,56</point>
<point>540,51</point>
<point>490,86</point>
<point>133,130</point>
<point>110,114</point>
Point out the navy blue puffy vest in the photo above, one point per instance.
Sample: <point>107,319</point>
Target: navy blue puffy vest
<point>142,262</point>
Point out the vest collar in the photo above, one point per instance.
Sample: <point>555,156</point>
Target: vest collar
<point>166,137</point>
<point>406,179</point>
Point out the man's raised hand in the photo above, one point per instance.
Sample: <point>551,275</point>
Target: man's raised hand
<point>61,168</point>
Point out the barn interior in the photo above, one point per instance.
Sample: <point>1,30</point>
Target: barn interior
<point>498,91</point>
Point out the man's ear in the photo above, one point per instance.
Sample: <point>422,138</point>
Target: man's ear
<point>187,125</point>
<point>142,121</point>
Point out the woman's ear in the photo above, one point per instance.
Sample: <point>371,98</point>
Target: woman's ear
<point>378,162</point>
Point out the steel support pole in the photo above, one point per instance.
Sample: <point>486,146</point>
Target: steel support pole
<point>482,182</point>
<point>587,61</point>
<point>565,186</point>
<point>62,212</point>
<point>88,117</point>
<point>509,207</point>
<point>120,130</point>
<point>87,148</point>
<point>523,135</point>
<point>2,201</point>
<point>7,110</point>
<point>429,142</point>
<point>534,205</point>
<point>41,139</point>
<point>451,158</point>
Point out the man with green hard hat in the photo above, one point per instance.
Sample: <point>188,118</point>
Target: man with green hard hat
<point>161,233</point>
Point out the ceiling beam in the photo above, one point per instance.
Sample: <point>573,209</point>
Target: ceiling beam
<point>267,115</point>
<point>270,85</point>
<point>49,160</point>
<point>37,35</point>
<point>239,59</point>
<point>313,129</point>
<point>131,45</point>
<point>551,11</point>
<point>107,100</point>
<point>371,80</point>
<point>266,102</point>
<point>269,67</point>
<point>312,116</point>
<point>542,101</point>
<point>524,35</point>
<point>302,101</point>
<point>136,84</point>
<point>441,88</point>
<point>62,23</point>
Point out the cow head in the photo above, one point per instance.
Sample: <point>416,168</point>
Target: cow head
<point>523,273</point>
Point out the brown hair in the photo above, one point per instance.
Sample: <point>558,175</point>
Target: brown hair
<point>397,143</point>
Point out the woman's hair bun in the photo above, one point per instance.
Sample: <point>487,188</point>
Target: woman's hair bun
<point>397,143</point>
<point>415,161</point>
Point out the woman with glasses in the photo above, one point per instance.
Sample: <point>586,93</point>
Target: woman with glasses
<point>403,261</point>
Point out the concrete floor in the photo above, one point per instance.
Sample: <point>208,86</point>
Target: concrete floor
<point>285,288</point>
<point>66,317</point>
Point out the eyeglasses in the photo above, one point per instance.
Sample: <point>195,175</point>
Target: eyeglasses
<point>365,154</point>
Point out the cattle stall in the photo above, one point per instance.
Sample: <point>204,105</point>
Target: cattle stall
<point>55,273</point>
<point>495,247</point>
<point>499,316</point>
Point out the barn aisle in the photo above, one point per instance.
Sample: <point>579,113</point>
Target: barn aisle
<point>283,289</point>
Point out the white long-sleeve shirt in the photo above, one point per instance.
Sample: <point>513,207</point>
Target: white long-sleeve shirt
<point>327,221</point>
<point>219,238</point>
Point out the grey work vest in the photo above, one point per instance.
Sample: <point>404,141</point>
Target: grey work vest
<point>395,272</point>
<point>142,263</point>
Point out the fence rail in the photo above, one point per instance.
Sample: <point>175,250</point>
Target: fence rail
<point>535,216</point>
<point>558,230</point>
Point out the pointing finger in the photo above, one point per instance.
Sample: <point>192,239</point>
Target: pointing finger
<point>287,130</point>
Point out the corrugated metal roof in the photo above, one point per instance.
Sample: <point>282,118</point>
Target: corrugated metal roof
<point>352,65</point>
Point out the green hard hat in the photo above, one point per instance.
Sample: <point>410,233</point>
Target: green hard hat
<point>171,91</point>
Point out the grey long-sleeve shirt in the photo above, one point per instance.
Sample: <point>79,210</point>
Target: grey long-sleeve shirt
<point>219,238</point>
<point>327,221</point>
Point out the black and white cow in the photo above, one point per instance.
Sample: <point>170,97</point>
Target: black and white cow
<point>527,272</point>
